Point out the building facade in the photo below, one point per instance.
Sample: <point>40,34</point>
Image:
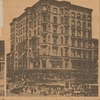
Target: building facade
<point>54,38</point>
<point>2,64</point>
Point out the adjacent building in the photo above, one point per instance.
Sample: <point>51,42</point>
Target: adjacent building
<point>54,38</point>
<point>2,64</point>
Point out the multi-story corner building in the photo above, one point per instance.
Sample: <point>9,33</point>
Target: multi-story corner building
<point>54,36</point>
<point>2,63</point>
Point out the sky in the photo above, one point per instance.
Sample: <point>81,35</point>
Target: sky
<point>1,12</point>
<point>14,8</point>
<point>1,18</point>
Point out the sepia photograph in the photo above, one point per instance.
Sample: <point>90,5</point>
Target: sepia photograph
<point>51,48</point>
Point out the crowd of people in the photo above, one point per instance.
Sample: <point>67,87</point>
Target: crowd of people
<point>40,84</point>
<point>42,89</point>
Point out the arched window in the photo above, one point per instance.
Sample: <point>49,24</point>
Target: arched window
<point>79,24</point>
<point>73,23</point>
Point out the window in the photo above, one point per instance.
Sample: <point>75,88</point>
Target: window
<point>73,53</point>
<point>38,21</point>
<point>61,19</point>
<point>66,40</point>
<point>29,53</point>
<point>23,37</point>
<point>34,23</point>
<point>79,54</point>
<point>16,40</point>
<point>38,40</point>
<point>84,17</point>
<point>79,16</point>
<point>66,11</point>
<point>66,51</point>
<point>55,10</point>
<point>84,25</point>
<point>44,39</point>
<point>29,42</point>
<point>78,33</point>
<point>44,17</point>
<point>30,34</point>
<point>66,65</point>
<point>84,34</point>
<point>24,29</point>
<point>89,18</point>
<point>44,51</point>
<point>61,40</point>
<point>44,63</point>
<point>73,42</point>
<point>38,31</point>
<point>30,24</point>
<point>44,28</point>
<point>16,47</point>
<point>49,51</point>
<point>55,19</point>
<point>44,8</point>
<point>78,24</point>
<point>38,51</point>
<point>78,43</point>
<point>73,23</point>
<point>89,34</point>
<point>62,29</point>
<point>66,30</point>
<point>61,51</point>
<point>55,52</point>
<point>84,54</point>
<point>48,17</point>
<point>84,44</point>
<point>73,32</point>
<point>61,11</point>
<point>49,39</point>
<point>34,32</point>
<point>66,20</point>
<point>73,15</point>
<point>89,44</point>
<point>34,14</point>
<point>89,26</point>
<point>55,29</point>
<point>55,40</point>
<point>16,65</point>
